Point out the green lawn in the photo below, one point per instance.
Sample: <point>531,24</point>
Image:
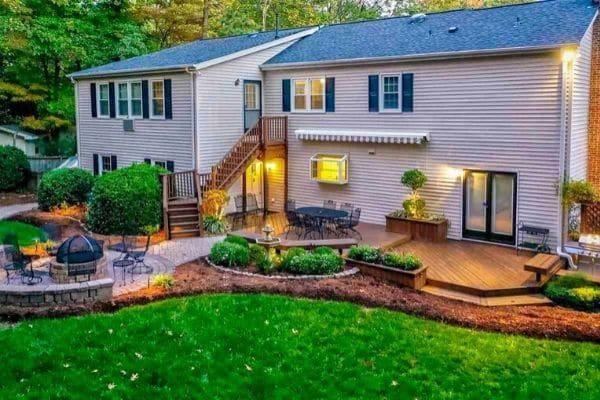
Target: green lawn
<point>26,233</point>
<point>270,347</point>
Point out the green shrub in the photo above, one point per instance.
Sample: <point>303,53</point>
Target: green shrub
<point>574,192</point>
<point>265,264</point>
<point>315,264</point>
<point>14,168</point>
<point>403,261</point>
<point>69,186</point>
<point>256,252</point>
<point>324,250</point>
<point>164,281</point>
<point>574,291</point>
<point>365,253</point>
<point>229,255</point>
<point>414,179</point>
<point>237,239</point>
<point>414,206</point>
<point>126,200</point>
<point>289,256</point>
<point>215,225</point>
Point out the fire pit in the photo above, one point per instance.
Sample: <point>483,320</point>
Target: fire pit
<point>79,259</point>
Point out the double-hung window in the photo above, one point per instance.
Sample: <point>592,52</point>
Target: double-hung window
<point>103,100</point>
<point>105,164</point>
<point>309,94</point>
<point>129,99</point>
<point>158,99</point>
<point>391,92</point>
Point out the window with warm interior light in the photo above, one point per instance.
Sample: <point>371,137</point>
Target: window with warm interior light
<point>309,94</point>
<point>329,168</point>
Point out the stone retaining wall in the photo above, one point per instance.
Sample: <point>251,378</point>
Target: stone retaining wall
<point>55,295</point>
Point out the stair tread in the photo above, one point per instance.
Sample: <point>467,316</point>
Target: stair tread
<point>513,300</point>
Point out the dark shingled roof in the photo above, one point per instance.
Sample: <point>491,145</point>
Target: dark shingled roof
<point>538,24</point>
<point>189,53</point>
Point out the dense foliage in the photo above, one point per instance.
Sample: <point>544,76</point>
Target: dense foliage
<point>227,254</point>
<point>373,255</point>
<point>69,186</point>
<point>14,168</point>
<point>414,206</point>
<point>126,201</point>
<point>237,240</point>
<point>214,225</point>
<point>574,192</point>
<point>25,234</point>
<point>321,261</point>
<point>574,291</point>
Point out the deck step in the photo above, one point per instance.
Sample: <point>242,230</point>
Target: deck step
<point>484,291</point>
<point>185,224</point>
<point>545,266</point>
<point>496,301</point>
<point>183,217</point>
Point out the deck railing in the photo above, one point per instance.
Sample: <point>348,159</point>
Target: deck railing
<point>180,185</point>
<point>274,130</point>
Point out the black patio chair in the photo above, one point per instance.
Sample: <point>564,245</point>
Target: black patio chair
<point>238,215</point>
<point>329,204</point>
<point>349,224</point>
<point>294,220</point>
<point>15,261</point>
<point>348,207</point>
<point>138,257</point>
<point>311,227</point>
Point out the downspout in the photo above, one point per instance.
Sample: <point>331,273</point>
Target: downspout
<point>77,135</point>
<point>195,159</point>
<point>565,144</point>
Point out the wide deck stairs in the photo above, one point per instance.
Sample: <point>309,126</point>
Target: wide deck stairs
<point>182,191</point>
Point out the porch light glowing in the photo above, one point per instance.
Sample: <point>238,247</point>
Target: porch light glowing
<point>454,173</point>
<point>271,166</point>
<point>569,55</point>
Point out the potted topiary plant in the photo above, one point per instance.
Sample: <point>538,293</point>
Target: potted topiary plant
<point>412,219</point>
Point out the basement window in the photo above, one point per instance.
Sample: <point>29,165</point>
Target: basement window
<point>329,168</point>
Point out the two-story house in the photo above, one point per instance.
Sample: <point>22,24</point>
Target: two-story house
<point>492,104</point>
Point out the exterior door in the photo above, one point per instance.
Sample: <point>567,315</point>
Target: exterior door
<point>252,103</point>
<point>489,206</point>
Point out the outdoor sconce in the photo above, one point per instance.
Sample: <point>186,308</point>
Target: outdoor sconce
<point>237,82</point>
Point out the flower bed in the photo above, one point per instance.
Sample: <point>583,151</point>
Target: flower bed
<point>236,253</point>
<point>402,268</point>
<point>433,230</point>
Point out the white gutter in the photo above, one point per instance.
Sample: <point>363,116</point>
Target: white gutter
<point>416,57</point>
<point>195,159</point>
<point>77,134</point>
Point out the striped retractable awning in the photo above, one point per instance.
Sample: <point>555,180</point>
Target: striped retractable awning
<point>362,136</point>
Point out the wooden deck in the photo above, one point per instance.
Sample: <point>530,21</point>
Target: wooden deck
<point>488,270</point>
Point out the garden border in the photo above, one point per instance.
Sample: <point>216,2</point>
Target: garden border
<point>343,274</point>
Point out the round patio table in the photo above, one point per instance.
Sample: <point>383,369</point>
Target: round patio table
<point>322,215</point>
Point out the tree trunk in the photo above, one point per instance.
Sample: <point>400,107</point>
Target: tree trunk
<point>205,15</point>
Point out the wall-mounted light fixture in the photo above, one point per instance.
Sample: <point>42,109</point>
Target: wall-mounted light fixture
<point>569,54</point>
<point>270,166</point>
<point>454,173</point>
<point>237,82</point>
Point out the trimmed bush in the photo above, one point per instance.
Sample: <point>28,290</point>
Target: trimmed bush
<point>256,252</point>
<point>164,281</point>
<point>365,253</point>
<point>239,240</point>
<point>69,186</point>
<point>316,264</point>
<point>323,250</point>
<point>574,291</point>
<point>289,255</point>
<point>14,168</point>
<point>126,201</point>
<point>230,255</point>
<point>403,261</point>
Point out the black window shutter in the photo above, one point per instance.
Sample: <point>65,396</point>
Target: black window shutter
<point>96,166</point>
<point>330,95</point>
<point>111,99</point>
<point>407,92</point>
<point>93,97</point>
<point>171,166</point>
<point>145,104</point>
<point>373,93</point>
<point>286,91</point>
<point>147,161</point>
<point>168,107</point>
<point>113,163</point>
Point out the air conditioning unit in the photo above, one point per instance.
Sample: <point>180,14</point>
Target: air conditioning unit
<point>128,125</point>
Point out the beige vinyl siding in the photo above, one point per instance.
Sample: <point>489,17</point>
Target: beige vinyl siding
<point>158,139</point>
<point>275,184</point>
<point>498,114</point>
<point>220,103</point>
<point>581,97</point>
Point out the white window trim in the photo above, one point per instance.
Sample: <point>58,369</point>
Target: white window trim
<point>98,108</point>
<point>101,170</point>
<point>129,99</point>
<point>307,95</point>
<point>382,109</point>
<point>151,100</point>
<point>343,157</point>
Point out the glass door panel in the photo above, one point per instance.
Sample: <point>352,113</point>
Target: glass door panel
<point>475,202</point>
<point>503,204</point>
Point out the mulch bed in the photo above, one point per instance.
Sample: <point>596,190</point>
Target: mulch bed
<point>198,277</point>
<point>9,199</point>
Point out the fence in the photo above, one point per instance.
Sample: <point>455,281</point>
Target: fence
<point>42,164</point>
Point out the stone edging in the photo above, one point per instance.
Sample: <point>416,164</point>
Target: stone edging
<point>56,294</point>
<point>343,274</point>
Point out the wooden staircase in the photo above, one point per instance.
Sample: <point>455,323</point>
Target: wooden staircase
<point>182,191</point>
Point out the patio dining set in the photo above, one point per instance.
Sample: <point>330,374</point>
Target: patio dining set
<point>319,222</point>
<point>131,258</point>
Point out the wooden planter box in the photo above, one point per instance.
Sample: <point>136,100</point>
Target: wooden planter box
<point>418,229</point>
<point>414,279</point>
